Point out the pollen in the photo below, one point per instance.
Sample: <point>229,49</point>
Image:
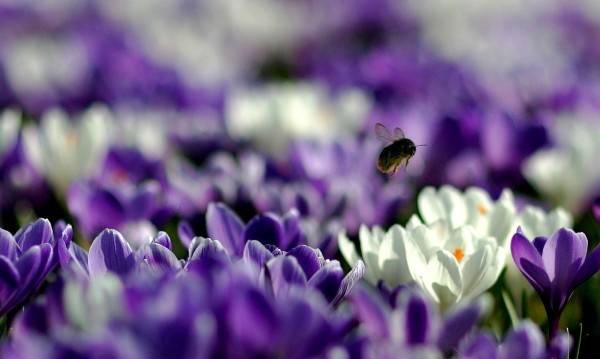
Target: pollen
<point>458,254</point>
<point>482,209</point>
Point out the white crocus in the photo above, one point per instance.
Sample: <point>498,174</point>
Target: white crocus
<point>63,150</point>
<point>474,207</point>
<point>450,265</point>
<point>459,248</point>
<point>274,114</point>
<point>10,123</point>
<point>568,174</point>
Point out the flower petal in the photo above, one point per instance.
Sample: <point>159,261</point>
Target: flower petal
<point>372,312</point>
<point>353,277</point>
<point>34,233</point>
<point>529,261</point>
<point>460,321</point>
<point>524,342</point>
<point>110,252</point>
<point>393,255</point>
<point>185,233</point>
<point>285,273</point>
<point>307,258</point>
<point>442,278</point>
<point>328,280</point>
<point>257,253</point>
<point>347,248</point>
<point>265,228</point>
<point>8,245</point>
<point>224,225</point>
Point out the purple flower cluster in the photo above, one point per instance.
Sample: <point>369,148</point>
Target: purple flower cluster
<point>246,127</point>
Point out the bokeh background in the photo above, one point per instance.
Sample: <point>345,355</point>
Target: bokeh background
<point>135,115</point>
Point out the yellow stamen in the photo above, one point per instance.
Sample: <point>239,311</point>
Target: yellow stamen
<point>482,209</point>
<point>458,254</point>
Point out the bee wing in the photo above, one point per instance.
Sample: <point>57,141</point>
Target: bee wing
<point>398,133</point>
<point>383,133</point>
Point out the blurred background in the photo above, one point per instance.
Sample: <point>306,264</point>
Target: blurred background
<point>137,114</point>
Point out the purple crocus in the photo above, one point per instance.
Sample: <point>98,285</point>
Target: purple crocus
<point>27,258</point>
<point>224,225</point>
<point>109,252</point>
<point>555,266</point>
<point>525,341</point>
<point>302,267</point>
<point>127,195</point>
<point>411,321</point>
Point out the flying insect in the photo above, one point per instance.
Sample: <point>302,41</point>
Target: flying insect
<point>398,149</point>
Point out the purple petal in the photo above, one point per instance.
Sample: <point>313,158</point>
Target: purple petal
<point>95,208</point>
<point>529,261</point>
<point>256,252</point>
<point>202,248</point>
<point>34,233</point>
<point>328,279</point>
<point>539,243</point>
<point>483,345</point>
<point>8,245</point>
<point>9,277</point>
<point>31,267</point>
<point>74,259</point>
<point>285,273</point>
<point>459,322</point>
<point>110,252</point>
<point>185,233</point>
<point>293,233</point>
<point>265,228</point>
<point>163,239</point>
<point>371,311</point>
<point>348,283</point>
<point>252,321</point>
<point>161,259</point>
<point>526,342</point>
<point>590,267</point>
<point>144,203</point>
<point>224,225</point>
<point>417,318</point>
<point>307,258</point>
<point>562,250</point>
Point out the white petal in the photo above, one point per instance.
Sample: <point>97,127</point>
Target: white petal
<point>347,248</point>
<point>454,205</point>
<point>481,269</point>
<point>369,245</point>
<point>430,206</point>
<point>393,257</point>
<point>442,278</point>
<point>502,222</point>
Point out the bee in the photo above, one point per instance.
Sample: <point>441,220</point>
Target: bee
<point>398,149</point>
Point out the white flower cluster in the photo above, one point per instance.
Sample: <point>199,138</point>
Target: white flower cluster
<point>459,247</point>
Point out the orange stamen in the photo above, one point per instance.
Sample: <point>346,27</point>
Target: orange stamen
<point>458,254</point>
<point>482,209</point>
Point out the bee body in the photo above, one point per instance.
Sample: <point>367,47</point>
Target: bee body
<point>398,149</point>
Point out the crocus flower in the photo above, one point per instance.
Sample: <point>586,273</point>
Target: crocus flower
<point>567,174</point>
<point>411,322</point>
<point>300,267</point>
<point>27,258</point>
<point>126,195</point>
<point>224,225</point>
<point>109,252</point>
<point>450,265</point>
<point>555,266</point>
<point>294,110</point>
<point>64,151</point>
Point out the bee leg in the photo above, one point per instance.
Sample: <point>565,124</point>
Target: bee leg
<point>406,164</point>
<point>395,170</point>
